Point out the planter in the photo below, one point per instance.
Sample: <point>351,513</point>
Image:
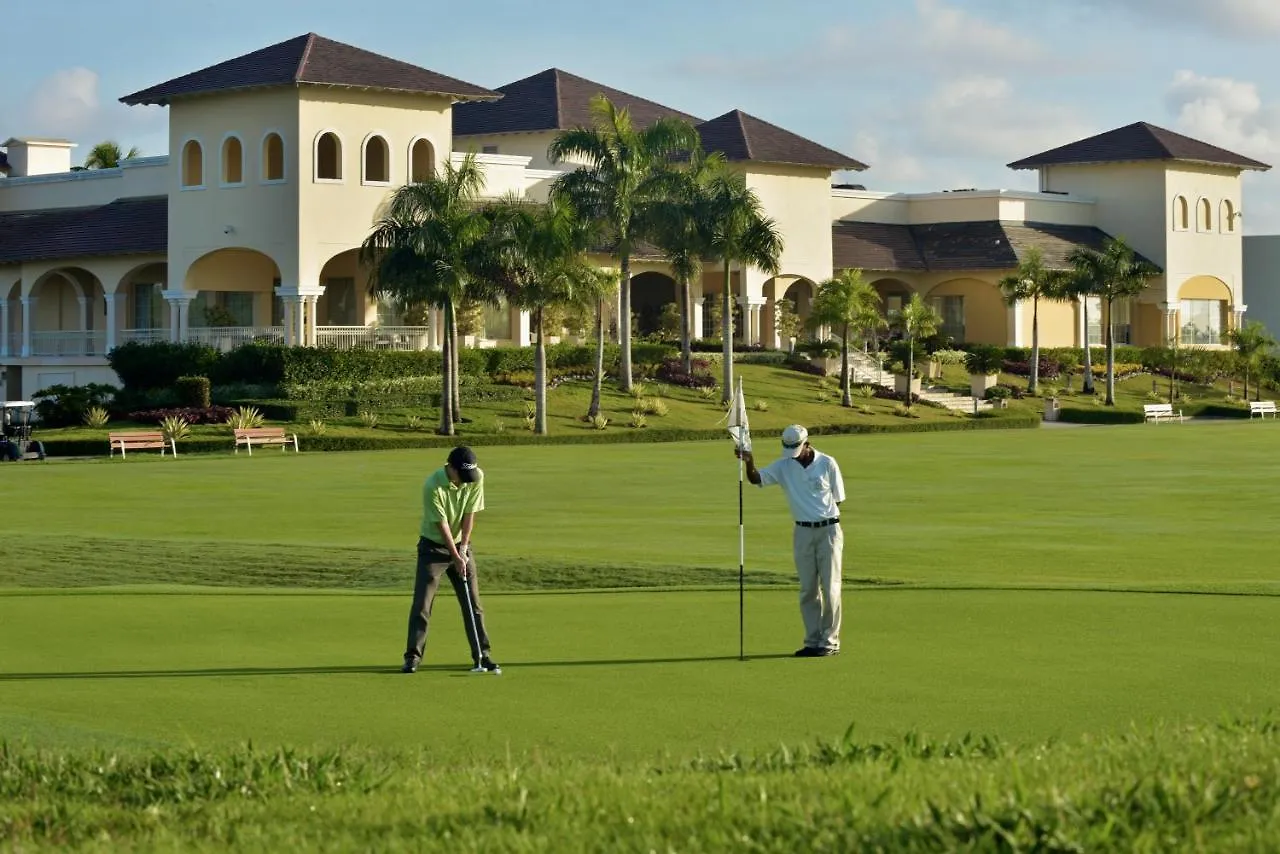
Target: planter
<point>900,384</point>
<point>933,370</point>
<point>1051,409</point>
<point>979,383</point>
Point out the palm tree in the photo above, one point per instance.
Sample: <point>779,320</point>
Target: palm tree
<point>1251,342</point>
<point>1033,281</point>
<point>740,234</point>
<point>627,169</point>
<point>917,319</point>
<point>107,155</point>
<point>1113,273</point>
<point>848,302</point>
<point>681,227</point>
<point>427,248</point>
<point>540,262</point>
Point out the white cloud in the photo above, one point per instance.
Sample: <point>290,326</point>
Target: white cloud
<point>68,103</point>
<point>983,116</point>
<point>891,166</point>
<point>946,33</point>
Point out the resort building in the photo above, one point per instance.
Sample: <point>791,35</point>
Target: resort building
<point>280,160</point>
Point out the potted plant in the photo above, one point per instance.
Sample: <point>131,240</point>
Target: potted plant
<point>909,357</point>
<point>983,362</point>
<point>999,396</point>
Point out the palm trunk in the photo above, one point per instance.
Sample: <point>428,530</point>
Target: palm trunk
<point>726,343</point>
<point>624,323</point>
<point>446,367</point>
<point>594,409</point>
<point>846,398</point>
<point>911,367</point>
<point>539,377</point>
<point>686,311</point>
<point>1088,358</point>
<point>1035,345</point>
<point>457,374</point>
<point>1111,358</point>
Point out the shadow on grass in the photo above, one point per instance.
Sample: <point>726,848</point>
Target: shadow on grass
<point>360,668</point>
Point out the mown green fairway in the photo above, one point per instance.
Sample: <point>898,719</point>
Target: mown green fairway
<point>1029,586</point>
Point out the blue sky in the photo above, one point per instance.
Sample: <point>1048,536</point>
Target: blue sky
<point>933,94</point>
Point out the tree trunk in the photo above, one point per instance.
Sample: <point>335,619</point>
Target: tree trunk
<point>594,409</point>
<point>1088,358</point>
<point>539,377</point>
<point>1111,358</point>
<point>624,323</point>
<point>1035,345</point>
<point>446,368</point>
<point>911,367</point>
<point>457,373</point>
<point>846,396</point>
<point>726,343</point>
<point>686,312</point>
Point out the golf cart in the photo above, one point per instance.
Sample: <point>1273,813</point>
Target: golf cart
<point>15,432</point>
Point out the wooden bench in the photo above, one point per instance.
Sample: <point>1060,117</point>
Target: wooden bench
<point>251,436</point>
<point>1158,412</point>
<point>1262,408</point>
<point>140,441</point>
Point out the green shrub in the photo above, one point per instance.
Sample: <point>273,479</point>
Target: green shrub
<point>67,405</point>
<point>193,391</point>
<point>96,417</point>
<point>159,364</point>
<point>984,359</point>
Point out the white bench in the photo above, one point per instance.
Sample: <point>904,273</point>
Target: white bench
<point>1262,408</point>
<point>251,436</point>
<point>140,440</point>
<point>1158,412</point>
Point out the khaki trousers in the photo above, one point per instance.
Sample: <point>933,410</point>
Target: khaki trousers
<point>819,555</point>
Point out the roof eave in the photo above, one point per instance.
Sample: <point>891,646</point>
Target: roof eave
<point>163,100</point>
<point>1023,165</point>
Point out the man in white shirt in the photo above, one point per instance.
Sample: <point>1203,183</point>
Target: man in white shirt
<point>814,490</point>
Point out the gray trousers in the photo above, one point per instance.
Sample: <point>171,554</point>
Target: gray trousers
<point>433,563</point>
<point>819,556</point>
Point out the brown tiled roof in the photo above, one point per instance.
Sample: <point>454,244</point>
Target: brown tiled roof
<point>1138,141</point>
<point>310,59</point>
<point>552,100</point>
<point>984,245</point>
<point>123,227</point>
<point>743,137</point>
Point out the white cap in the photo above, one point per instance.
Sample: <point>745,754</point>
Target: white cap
<point>793,439</point>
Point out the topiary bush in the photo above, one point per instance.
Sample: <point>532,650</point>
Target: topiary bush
<point>193,391</point>
<point>159,364</point>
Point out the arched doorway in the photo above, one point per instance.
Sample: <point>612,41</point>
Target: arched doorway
<point>66,302</point>
<point>894,294</point>
<point>141,313</point>
<point>651,293</point>
<point>232,302</point>
<point>1204,311</point>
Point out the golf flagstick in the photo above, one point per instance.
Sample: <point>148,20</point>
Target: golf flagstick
<point>740,430</point>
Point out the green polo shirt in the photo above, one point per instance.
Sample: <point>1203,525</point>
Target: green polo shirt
<point>442,501</point>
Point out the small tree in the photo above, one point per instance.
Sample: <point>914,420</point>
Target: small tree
<point>917,319</point>
<point>787,321</point>
<point>1033,281</point>
<point>1251,342</point>
<point>844,301</point>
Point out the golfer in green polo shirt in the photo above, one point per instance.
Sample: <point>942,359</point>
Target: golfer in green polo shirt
<point>451,498</point>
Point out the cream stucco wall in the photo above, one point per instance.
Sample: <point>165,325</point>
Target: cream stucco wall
<point>334,216</point>
<point>532,145</point>
<point>260,216</point>
<point>1131,201</point>
<point>798,200</point>
<point>1216,251</point>
<point>146,176</point>
<point>861,206</point>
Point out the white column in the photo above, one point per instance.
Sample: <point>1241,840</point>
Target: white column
<point>313,308</point>
<point>695,310</point>
<point>1016,327</point>
<point>173,320</point>
<point>520,330</point>
<point>84,326</point>
<point>184,317</point>
<point>112,321</point>
<point>287,305</point>
<point>433,328</point>
<point>28,304</point>
<point>299,320</point>
<point>4,326</point>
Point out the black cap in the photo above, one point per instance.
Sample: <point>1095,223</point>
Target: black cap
<point>463,460</point>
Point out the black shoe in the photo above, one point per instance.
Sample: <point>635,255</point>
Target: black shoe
<point>410,666</point>
<point>486,665</point>
<point>809,652</point>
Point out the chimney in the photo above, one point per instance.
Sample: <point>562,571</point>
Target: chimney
<point>31,156</point>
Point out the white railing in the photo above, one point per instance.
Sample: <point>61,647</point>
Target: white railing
<point>142,336</point>
<point>229,337</point>
<point>377,337</point>
<point>66,343</point>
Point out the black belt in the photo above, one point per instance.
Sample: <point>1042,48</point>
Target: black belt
<point>821,524</point>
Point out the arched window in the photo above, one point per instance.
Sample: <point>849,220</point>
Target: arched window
<point>1204,215</point>
<point>422,161</point>
<point>192,164</point>
<point>1228,217</point>
<point>272,157</point>
<point>377,160</point>
<point>328,157</point>
<point>232,161</point>
<point>1181,214</point>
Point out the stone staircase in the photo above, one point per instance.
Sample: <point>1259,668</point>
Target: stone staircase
<point>863,370</point>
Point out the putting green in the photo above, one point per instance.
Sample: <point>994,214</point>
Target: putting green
<point>629,674</point>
